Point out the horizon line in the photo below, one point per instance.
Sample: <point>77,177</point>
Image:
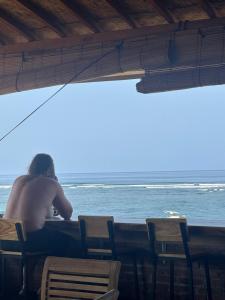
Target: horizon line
<point>122,172</point>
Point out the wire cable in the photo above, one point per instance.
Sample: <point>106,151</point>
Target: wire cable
<point>118,47</point>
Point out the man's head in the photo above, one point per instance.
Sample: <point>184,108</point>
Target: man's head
<point>42,164</point>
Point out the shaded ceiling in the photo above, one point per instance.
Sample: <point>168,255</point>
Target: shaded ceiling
<point>44,43</point>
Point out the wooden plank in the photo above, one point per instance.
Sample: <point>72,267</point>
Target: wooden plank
<point>46,16</point>
<point>72,294</point>
<point>77,278</point>
<point>118,6</point>
<point>76,286</point>
<point>99,251</point>
<point>83,15</point>
<point>17,25</point>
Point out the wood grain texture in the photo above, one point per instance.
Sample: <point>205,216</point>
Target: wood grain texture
<point>8,229</point>
<point>96,226</point>
<point>167,229</point>
<point>78,278</point>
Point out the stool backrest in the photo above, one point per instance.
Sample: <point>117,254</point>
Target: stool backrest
<point>11,230</point>
<point>97,228</point>
<point>68,278</point>
<point>167,230</point>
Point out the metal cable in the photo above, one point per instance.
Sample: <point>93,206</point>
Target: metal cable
<point>118,47</point>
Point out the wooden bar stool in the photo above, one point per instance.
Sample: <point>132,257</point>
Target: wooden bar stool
<point>13,243</point>
<point>165,232</point>
<point>101,228</point>
<point>97,236</point>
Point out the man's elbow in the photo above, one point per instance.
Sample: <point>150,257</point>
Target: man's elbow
<point>68,213</point>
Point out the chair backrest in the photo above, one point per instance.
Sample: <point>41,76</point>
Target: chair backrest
<point>96,226</point>
<point>111,295</point>
<point>68,278</point>
<point>166,229</point>
<point>11,230</point>
<point>99,228</point>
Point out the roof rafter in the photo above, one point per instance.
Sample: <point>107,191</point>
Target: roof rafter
<point>4,40</point>
<point>162,11</point>
<point>209,9</point>
<point>47,17</point>
<point>82,14</point>
<point>17,25</point>
<point>120,9</point>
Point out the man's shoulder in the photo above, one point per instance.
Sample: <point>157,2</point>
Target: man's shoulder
<point>47,180</point>
<point>38,179</point>
<point>21,178</point>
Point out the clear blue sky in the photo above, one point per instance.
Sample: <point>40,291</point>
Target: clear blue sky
<point>101,127</point>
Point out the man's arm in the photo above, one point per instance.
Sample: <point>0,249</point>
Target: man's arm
<point>62,204</point>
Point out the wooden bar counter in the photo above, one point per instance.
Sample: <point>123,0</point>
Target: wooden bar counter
<point>132,238</point>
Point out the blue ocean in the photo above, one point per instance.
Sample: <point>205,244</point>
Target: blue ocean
<point>132,197</point>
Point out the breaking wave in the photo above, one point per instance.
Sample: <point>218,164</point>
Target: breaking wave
<point>199,186</point>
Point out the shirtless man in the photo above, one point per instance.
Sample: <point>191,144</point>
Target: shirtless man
<point>32,199</point>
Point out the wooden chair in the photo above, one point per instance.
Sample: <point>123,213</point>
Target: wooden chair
<point>71,278</point>
<point>169,232</point>
<point>12,239</point>
<point>13,243</point>
<point>97,230</point>
<point>100,229</point>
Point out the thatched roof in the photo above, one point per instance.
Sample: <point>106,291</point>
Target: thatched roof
<point>175,43</point>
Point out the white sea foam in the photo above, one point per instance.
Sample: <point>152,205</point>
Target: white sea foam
<point>204,187</point>
<point>5,186</point>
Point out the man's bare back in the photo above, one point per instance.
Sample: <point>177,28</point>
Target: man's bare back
<point>32,198</point>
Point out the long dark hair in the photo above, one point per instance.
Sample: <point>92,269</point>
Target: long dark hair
<point>42,164</point>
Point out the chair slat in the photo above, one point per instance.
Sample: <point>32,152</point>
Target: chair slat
<point>75,286</point>
<point>76,278</point>
<point>72,294</point>
<point>100,251</point>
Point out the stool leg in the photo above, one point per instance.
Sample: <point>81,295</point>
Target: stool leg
<point>136,279</point>
<point>154,277</point>
<point>2,276</point>
<point>171,280</point>
<point>208,281</point>
<point>23,291</point>
<point>191,281</point>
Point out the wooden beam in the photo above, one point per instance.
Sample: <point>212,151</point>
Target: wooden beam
<point>82,14</point>
<point>105,37</point>
<point>160,8</point>
<point>121,10</point>
<point>47,17</point>
<point>209,9</point>
<point>17,25</point>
